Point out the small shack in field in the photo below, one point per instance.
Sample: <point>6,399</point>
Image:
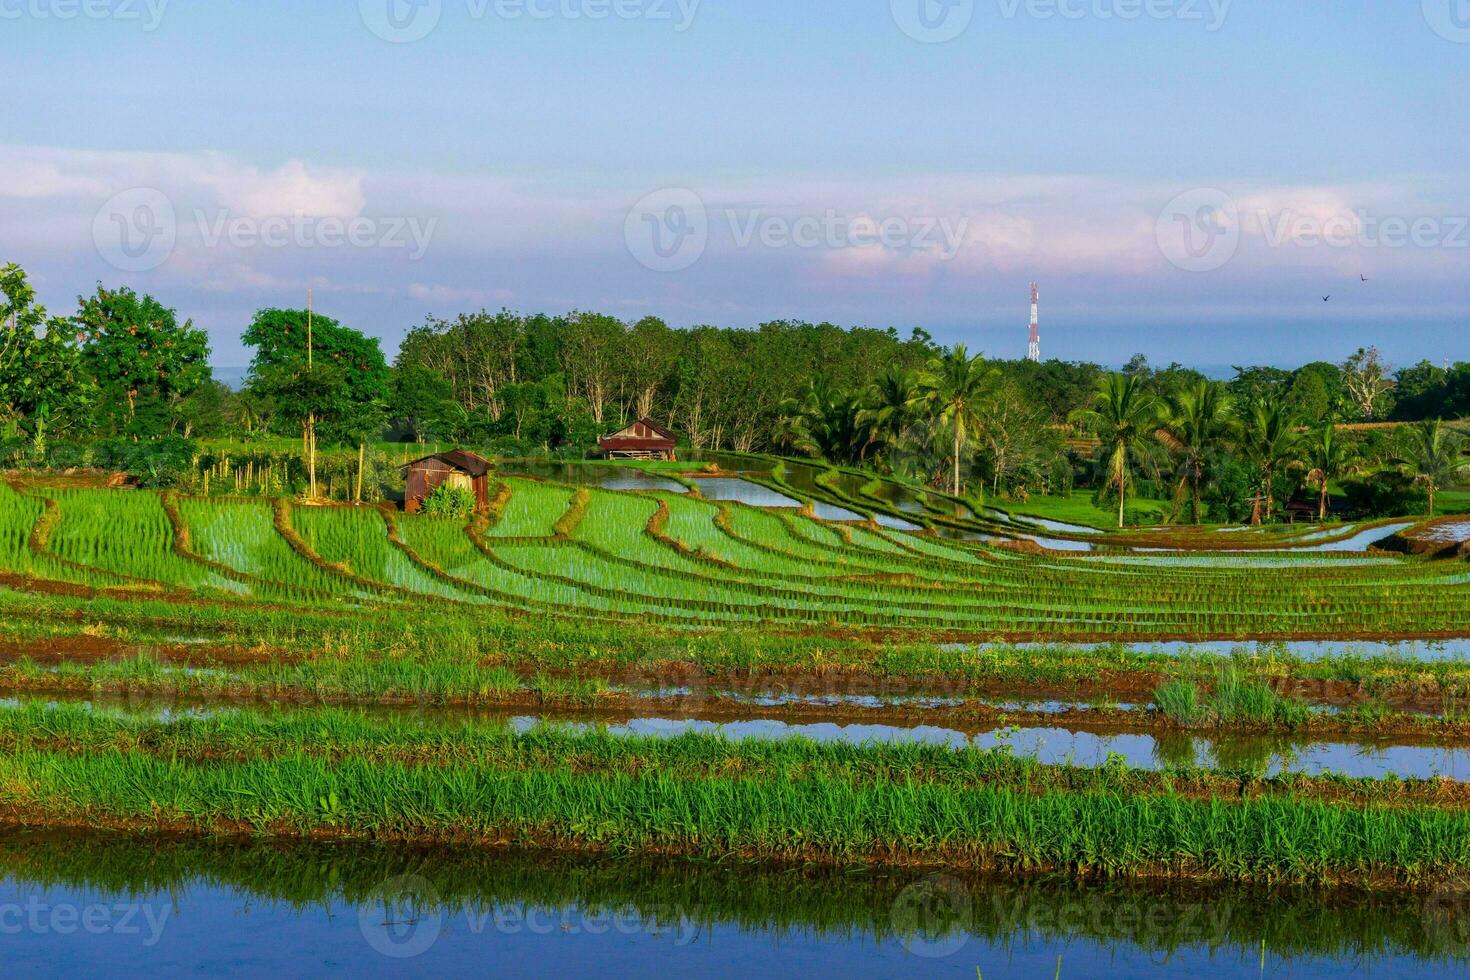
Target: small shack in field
<point>458,468</point>
<point>643,439</point>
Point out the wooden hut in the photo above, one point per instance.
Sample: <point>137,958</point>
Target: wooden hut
<point>643,439</point>
<point>458,468</point>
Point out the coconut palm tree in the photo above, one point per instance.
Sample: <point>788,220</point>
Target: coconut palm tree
<point>950,393</point>
<point>1126,418</point>
<point>1326,457</point>
<point>823,422</point>
<point>1198,423</point>
<point>1269,439</point>
<point>1435,458</point>
<point>888,407</point>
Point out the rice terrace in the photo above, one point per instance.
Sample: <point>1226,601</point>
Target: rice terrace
<point>643,488</point>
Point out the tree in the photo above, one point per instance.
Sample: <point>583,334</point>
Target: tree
<point>42,383</point>
<point>888,407</point>
<point>950,391</point>
<point>1327,458</point>
<point>824,422</point>
<point>1126,419</point>
<point>421,400</point>
<point>1269,440</point>
<point>318,375</point>
<point>347,371</point>
<point>1435,458</point>
<point>1198,423</point>
<point>1366,378</point>
<point>145,364</point>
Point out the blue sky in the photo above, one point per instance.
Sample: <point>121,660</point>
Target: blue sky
<point>506,159</point>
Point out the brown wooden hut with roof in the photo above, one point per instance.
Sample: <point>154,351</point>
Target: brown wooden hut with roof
<point>458,468</point>
<point>643,439</point>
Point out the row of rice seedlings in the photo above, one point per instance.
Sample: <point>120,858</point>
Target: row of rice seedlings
<point>127,534</point>
<point>357,539</point>
<point>242,535</point>
<point>532,510</point>
<point>616,525</point>
<point>445,543</point>
<point>824,814</point>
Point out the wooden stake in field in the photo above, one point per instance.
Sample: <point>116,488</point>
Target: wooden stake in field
<point>361,456</point>
<point>311,415</point>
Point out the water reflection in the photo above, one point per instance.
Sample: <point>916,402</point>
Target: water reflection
<point>187,905</point>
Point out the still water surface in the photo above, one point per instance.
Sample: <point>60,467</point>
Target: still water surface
<point>81,906</point>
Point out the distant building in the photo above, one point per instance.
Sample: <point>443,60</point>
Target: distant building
<point>458,468</point>
<point>641,440</point>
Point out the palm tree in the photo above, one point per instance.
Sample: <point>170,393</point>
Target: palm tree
<point>888,407</point>
<point>1436,458</point>
<point>1269,440</point>
<point>950,391</point>
<point>1198,421</point>
<point>1327,458</point>
<point>1126,419</point>
<point>822,422</point>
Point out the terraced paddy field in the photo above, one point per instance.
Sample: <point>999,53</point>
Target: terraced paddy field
<point>798,680</point>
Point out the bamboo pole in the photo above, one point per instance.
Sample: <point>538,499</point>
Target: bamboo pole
<point>311,415</point>
<point>361,458</point>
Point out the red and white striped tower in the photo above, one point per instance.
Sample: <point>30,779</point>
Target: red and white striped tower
<point>1033,352</point>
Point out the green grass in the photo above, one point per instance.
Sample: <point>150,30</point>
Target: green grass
<point>1078,507</point>
<point>348,775</point>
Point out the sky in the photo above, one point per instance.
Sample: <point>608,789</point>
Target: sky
<point>1186,179</point>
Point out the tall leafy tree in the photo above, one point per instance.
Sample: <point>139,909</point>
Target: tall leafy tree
<point>42,383</point>
<point>1126,419</point>
<point>144,361</point>
<point>1197,425</point>
<point>1435,458</point>
<point>951,392</point>
<point>345,384</point>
